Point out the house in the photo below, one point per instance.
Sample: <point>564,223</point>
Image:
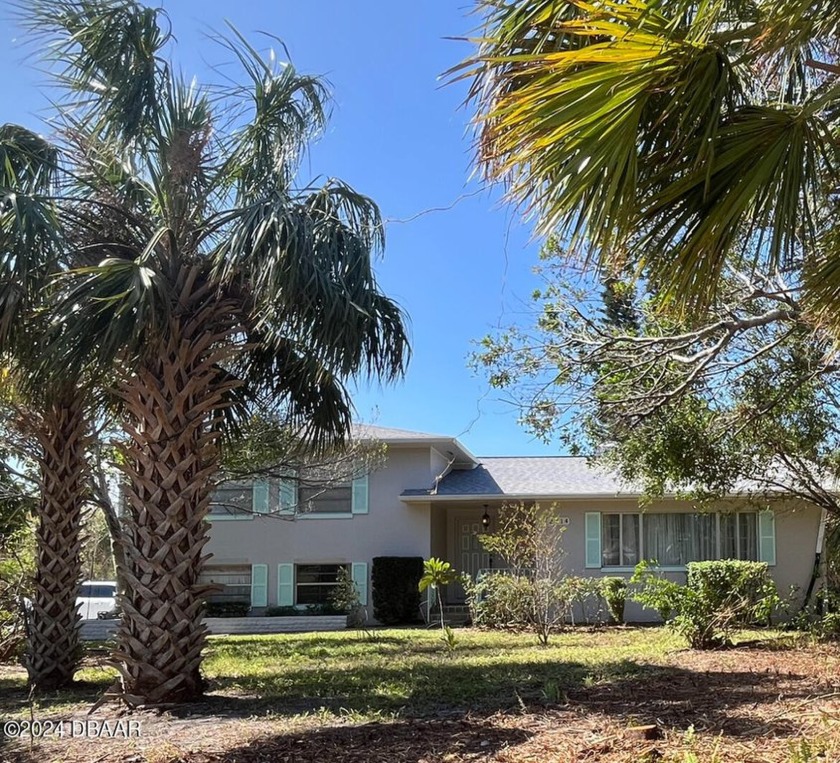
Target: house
<point>433,497</point>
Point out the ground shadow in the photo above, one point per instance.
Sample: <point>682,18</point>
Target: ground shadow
<point>462,739</point>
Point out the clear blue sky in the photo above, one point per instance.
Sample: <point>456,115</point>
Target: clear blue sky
<point>400,136</point>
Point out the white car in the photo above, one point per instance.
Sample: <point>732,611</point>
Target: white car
<point>96,596</point>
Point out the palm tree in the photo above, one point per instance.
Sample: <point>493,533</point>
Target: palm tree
<point>220,287</point>
<point>54,412</point>
<point>679,137</point>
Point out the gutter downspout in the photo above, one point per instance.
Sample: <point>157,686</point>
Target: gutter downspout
<point>817,558</point>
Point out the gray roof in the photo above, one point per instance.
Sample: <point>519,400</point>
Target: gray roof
<point>551,476</point>
<point>373,432</point>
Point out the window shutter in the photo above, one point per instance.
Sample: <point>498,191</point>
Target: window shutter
<point>285,585</point>
<point>767,537</point>
<point>593,539</point>
<point>288,496</point>
<point>360,495</point>
<point>259,585</point>
<point>259,497</point>
<point>359,573</point>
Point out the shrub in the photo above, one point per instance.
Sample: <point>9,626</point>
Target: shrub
<point>310,610</point>
<point>285,611</point>
<point>345,599</point>
<point>396,596</point>
<point>614,592</point>
<point>227,608</point>
<point>718,597</point>
<point>821,619</point>
<point>574,591</point>
<point>500,600</point>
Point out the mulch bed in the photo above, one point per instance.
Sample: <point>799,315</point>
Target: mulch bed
<point>744,705</point>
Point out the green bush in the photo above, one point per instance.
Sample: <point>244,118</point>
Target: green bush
<point>227,608</point>
<point>717,598</point>
<point>500,600</point>
<point>505,600</point>
<point>614,592</point>
<point>310,610</point>
<point>821,619</point>
<point>395,594</point>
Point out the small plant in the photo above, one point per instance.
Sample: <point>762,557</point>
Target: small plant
<point>449,638</point>
<point>614,592</point>
<point>805,751</point>
<point>345,599</point>
<point>436,574</point>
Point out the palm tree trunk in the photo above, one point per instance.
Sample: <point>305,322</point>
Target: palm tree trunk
<point>171,456</point>
<point>54,650</point>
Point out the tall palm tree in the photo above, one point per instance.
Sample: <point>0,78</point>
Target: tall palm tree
<point>220,286</point>
<point>52,412</point>
<point>679,136</point>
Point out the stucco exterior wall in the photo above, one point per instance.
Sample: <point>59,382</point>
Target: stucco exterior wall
<point>796,533</point>
<point>389,528</point>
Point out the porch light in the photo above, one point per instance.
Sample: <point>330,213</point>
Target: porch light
<point>485,518</point>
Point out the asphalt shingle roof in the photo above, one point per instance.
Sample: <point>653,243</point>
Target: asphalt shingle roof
<point>363,431</point>
<point>521,476</point>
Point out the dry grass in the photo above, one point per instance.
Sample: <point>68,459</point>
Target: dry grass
<point>399,697</point>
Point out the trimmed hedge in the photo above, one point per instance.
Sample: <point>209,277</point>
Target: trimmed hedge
<point>396,596</point>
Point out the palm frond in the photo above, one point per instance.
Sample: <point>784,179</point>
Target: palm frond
<point>306,263</point>
<point>662,132</point>
<point>107,311</point>
<point>29,234</point>
<point>110,54</point>
<point>286,112</point>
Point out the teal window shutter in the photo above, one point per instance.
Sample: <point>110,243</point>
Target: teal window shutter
<point>259,497</point>
<point>593,539</point>
<point>360,495</point>
<point>767,537</point>
<point>285,585</point>
<point>288,496</point>
<point>359,573</point>
<point>259,585</point>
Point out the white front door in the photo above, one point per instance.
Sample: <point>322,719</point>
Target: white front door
<point>471,556</point>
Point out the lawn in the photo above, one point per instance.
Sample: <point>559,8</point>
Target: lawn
<point>396,695</point>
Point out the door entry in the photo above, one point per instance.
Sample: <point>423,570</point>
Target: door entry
<point>471,555</point>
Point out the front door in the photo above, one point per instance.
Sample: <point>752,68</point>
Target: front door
<point>471,556</point>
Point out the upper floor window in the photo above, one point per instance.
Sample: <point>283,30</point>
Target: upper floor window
<point>336,499</point>
<point>231,500</point>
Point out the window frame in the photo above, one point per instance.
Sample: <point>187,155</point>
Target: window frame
<point>235,515</point>
<point>676,567</point>
<point>305,513</point>
<point>296,584</point>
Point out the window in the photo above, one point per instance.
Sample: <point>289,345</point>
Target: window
<point>620,540</point>
<point>739,536</point>
<point>232,501</point>
<point>315,583</point>
<point>326,500</point>
<point>230,583</point>
<point>675,539</point>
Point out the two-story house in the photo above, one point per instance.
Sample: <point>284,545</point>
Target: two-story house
<point>432,497</point>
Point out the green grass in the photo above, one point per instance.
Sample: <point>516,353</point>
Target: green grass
<point>410,670</point>
<point>387,673</point>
